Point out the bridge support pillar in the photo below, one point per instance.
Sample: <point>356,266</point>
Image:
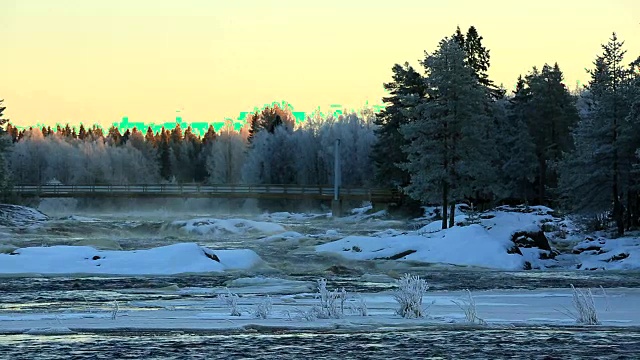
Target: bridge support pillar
<point>336,208</point>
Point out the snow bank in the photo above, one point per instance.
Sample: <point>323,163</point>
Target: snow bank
<point>469,245</point>
<point>166,260</point>
<point>206,226</point>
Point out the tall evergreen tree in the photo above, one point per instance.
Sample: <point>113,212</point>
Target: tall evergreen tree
<point>550,114</point>
<point>477,58</point>
<point>518,161</point>
<point>406,89</point>
<point>5,143</point>
<point>150,137</point>
<point>447,158</point>
<point>597,173</point>
<point>82,133</point>
<point>164,152</point>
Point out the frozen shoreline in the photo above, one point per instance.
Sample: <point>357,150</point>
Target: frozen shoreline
<point>499,308</point>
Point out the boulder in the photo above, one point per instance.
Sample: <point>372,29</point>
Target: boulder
<point>531,239</point>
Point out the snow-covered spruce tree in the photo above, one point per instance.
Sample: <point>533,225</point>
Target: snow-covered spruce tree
<point>596,174</point>
<point>448,152</point>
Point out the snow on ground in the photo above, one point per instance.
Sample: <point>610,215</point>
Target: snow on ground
<point>499,308</point>
<point>204,226</point>
<point>172,259</point>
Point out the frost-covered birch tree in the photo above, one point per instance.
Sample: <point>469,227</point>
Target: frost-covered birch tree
<point>226,157</point>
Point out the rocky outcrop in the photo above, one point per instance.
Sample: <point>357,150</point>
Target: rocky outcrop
<point>15,215</point>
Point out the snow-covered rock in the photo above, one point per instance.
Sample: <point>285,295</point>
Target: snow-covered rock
<point>206,226</point>
<point>285,236</point>
<point>468,245</point>
<point>166,260</point>
<point>608,254</point>
<point>507,238</point>
<point>15,215</point>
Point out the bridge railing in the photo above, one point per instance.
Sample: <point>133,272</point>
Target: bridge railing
<point>324,191</point>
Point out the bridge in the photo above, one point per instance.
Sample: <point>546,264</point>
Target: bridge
<point>318,192</point>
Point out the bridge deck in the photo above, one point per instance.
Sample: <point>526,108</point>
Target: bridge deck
<point>205,191</point>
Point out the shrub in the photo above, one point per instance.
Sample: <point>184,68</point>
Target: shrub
<point>469,308</point>
<point>231,301</point>
<point>409,296</point>
<point>116,308</point>
<point>263,309</point>
<point>584,307</point>
<point>331,302</point>
<point>360,307</point>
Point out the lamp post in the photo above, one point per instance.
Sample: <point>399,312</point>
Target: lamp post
<point>336,203</point>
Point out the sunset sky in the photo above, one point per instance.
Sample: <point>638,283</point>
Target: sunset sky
<point>95,61</point>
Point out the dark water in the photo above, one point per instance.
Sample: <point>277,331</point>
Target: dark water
<point>440,343</point>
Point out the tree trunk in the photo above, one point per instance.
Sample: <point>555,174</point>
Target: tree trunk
<point>627,217</point>
<point>445,201</point>
<point>618,210</point>
<point>452,214</point>
<point>542,180</point>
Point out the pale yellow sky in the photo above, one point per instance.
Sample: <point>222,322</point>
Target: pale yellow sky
<point>95,61</point>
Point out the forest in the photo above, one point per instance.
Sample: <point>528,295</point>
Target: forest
<point>447,135</point>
